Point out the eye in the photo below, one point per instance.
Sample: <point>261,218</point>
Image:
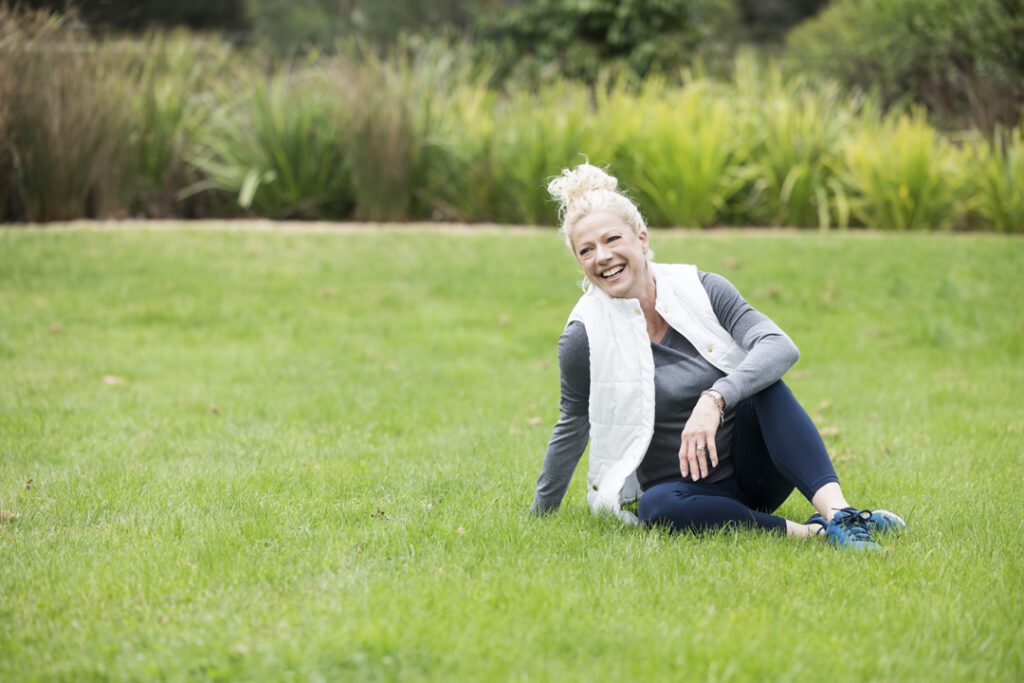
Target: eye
<point>584,251</point>
<point>612,238</point>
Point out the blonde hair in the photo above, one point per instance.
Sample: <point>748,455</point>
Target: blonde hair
<point>585,189</point>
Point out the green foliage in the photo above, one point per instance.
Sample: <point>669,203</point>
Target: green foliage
<point>996,180</point>
<point>684,159</point>
<point>61,125</point>
<point>171,85</point>
<point>578,38</point>
<point>186,126</point>
<point>793,131</point>
<point>139,14</point>
<point>901,175</point>
<point>294,26</point>
<point>963,60</point>
<point>395,103</point>
<point>279,155</point>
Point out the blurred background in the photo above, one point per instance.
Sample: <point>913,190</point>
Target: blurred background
<point>827,114</point>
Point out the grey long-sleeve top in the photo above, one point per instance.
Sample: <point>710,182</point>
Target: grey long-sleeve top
<point>680,375</point>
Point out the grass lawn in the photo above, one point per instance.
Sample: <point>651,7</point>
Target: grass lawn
<point>295,455</point>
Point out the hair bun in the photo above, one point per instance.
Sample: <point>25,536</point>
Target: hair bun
<point>573,183</point>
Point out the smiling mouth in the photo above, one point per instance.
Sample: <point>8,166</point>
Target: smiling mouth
<point>612,272</point>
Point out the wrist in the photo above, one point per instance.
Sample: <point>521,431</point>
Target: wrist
<point>719,401</point>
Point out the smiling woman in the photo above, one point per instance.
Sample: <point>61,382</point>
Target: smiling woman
<point>676,381</point>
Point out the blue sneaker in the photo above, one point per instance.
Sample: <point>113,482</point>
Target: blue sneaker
<point>885,522</point>
<point>850,530</point>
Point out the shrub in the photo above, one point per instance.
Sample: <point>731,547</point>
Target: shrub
<point>964,61</point>
<point>577,38</point>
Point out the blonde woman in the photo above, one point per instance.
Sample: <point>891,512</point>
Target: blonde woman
<point>675,380</point>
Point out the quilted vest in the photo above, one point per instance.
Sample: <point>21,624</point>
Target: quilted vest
<point>622,375</point>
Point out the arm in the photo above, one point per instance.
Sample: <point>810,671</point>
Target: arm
<point>569,437</point>
<point>770,352</point>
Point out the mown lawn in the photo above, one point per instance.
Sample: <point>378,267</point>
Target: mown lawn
<point>284,455</point>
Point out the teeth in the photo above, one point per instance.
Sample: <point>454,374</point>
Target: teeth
<point>612,271</point>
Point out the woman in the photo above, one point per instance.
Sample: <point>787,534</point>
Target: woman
<point>676,381</point>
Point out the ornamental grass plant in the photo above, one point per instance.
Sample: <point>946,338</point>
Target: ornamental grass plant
<point>995,178</point>
<point>901,175</point>
<point>64,129</point>
<point>184,125</point>
<point>280,152</point>
<point>174,85</point>
<point>794,130</point>
<point>684,162</point>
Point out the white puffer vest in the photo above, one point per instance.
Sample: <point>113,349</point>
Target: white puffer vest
<point>622,375</point>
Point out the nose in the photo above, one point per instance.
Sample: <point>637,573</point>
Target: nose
<point>603,253</point>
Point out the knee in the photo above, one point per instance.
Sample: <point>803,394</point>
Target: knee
<point>655,505</point>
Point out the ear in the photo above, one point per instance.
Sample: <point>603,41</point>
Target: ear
<point>643,240</point>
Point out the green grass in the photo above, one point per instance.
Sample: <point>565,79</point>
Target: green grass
<point>318,461</point>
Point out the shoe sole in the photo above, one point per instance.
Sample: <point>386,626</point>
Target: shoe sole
<point>894,523</point>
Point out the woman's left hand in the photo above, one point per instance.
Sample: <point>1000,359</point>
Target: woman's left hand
<point>699,439</point>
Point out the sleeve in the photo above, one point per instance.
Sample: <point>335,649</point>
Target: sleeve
<point>569,437</point>
<point>770,351</point>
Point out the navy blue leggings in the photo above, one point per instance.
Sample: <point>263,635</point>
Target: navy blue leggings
<point>776,447</point>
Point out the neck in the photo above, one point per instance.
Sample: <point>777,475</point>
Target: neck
<point>649,292</point>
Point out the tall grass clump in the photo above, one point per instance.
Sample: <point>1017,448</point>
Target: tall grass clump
<point>394,104</point>
<point>63,131</point>
<point>279,151</point>
<point>495,150</point>
<point>901,175</point>
<point>684,161</point>
<point>173,85</point>
<point>794,130</point>
<point>995,178</point>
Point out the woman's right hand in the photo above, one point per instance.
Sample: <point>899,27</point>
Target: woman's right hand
<point>699,439</point>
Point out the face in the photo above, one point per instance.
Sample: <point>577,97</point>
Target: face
<point>614,258</point>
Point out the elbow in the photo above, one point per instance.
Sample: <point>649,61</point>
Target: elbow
<point>793,353</point>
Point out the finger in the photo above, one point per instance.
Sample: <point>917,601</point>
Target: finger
<point>684,465</point>
<point>713,452</point>
<point>702,460</point>
<point>691,455</point>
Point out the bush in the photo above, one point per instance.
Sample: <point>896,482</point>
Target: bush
<point>964,61</point>
<point>578,38</point>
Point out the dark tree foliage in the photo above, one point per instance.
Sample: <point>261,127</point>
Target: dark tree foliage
<point>963,60</point>
<point>577,37</point>
<point>135,15</point>
<point>769,20</point>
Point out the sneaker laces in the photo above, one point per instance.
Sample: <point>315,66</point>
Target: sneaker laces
<point>855,522</point>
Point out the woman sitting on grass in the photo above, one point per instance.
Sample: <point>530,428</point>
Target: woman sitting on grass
<point>676,380</point>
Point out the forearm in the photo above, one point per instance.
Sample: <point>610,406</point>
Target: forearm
<point>566,446</point>
<point>771,353</point>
